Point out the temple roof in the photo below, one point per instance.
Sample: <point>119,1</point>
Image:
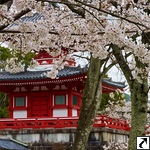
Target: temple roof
<point>66,72</point>
<point>6,143</point>
<point>33,75</point>
<point>32,18</point>
<point>114,83</point>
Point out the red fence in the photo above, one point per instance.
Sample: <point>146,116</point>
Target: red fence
<point>63,122</point>
<point>106,121</point>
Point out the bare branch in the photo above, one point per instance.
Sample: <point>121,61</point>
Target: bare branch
<point>82,57</point>
<point>17,16</point>
<point>112,14</point>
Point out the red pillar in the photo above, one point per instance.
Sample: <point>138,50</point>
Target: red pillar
<point>50,106</point>
<point>70,104</point>
<point>10,106</point>
<point>29,105</point>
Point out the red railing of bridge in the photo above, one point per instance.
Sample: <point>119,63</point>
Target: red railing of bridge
<point>61,122</point>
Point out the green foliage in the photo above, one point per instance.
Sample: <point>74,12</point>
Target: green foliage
<point>118,98</point>
<point>26,59</point>
<point>5,54</point>
<point>4,104</point>
<point>4,113</point>
<point>106,76</point>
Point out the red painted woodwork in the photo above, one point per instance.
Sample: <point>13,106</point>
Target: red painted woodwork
<point>111,122</point>
<point>70,104</point>
<point>10,106</point>
<point>61,122</point>
<point>29,100</point>
<point>43,58</point>
<point>6,86</point>
<point>39,107</point>
<point>39,104</point>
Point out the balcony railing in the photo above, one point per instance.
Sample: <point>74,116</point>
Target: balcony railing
<point>62,122</point>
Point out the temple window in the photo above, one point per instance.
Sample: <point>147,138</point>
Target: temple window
<point>19,101</point>
<point>74,100</point>
<point>60,100</point>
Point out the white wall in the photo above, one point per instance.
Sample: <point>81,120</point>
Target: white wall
<point>74,112</point>
<point>20,114</point>
<point>60,112</point>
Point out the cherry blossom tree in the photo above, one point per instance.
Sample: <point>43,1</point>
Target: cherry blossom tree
<point>120,145</point>
<point>112,31</point>
<point>120,111</point>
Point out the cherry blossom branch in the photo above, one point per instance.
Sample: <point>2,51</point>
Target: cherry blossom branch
<point>17,16</point>
<point>124,67</point>
<point>112,14</point>
<point>81,57</point>
<point>56,33</point>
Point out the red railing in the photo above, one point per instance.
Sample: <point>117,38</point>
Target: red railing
<point>106,121</point>
<point>63,122</point>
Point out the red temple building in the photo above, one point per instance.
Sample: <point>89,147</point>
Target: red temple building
<point>32,95</point>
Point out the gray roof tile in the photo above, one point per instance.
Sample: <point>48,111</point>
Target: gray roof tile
<point>28,75</point>
<point>66,72</point>
<point>6,143</point>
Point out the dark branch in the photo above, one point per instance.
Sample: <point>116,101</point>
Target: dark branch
<point>17,16</point>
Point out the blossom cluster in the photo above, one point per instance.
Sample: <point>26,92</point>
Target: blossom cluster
<point>118,110</point>
<point>123,110</point>
<point>33,64</point>
<point>103,23</point>
<point>13,66</point>
<point>59,64</point>
<point>120,145</point>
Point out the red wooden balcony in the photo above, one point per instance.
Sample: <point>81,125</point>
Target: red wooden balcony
<point>62,122</point>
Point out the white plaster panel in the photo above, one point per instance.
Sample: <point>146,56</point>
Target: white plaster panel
<point>44,62</point>
<point>17,89</point>
<point>44,88</point>
<point>63,87</point>
<point>60,112</point>
<point>13,102</point>
<point>74,112</point>
<point>52,137</point>
<point>23,89</point>
<point>75,88</point>
<point>96,135</point>
<point>67,99</point>
<point>26,101</point>
<point>28,138</point>
<point>36,88</point>
<point>53,100</point>
<point>20,114</point>
<point>57,87</point>
<point>62,137</point>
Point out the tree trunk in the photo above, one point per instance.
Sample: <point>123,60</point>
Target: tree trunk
<point>90,103</point>
<point>139,99</point>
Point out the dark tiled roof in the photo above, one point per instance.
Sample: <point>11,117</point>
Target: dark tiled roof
<point>28,75</point>
<point>8,144</point>
<point>113,83</point>
<point>66,72</point>
<point>33,19</point>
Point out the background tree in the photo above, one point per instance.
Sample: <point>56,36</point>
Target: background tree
<point>117,98</point>
<point>4,104</point>
<point>5,54</point>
